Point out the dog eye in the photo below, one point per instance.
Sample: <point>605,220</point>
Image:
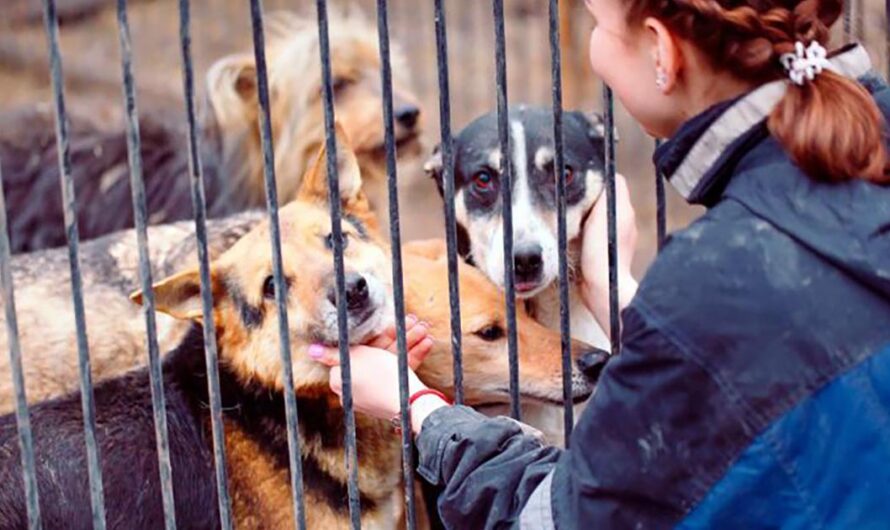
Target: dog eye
<point>339,83</point>
<point>269,287</point>
<point>491,333</point>
<point>329,241</point>
<point>483,181</point>
<point>569,175</point>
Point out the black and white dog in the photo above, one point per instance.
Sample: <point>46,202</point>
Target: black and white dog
<point>478,205</point>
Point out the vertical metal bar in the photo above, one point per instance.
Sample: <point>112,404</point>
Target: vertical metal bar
<point>290,399</point>
<point>447,148</point>
<point>200,210</point>
<point>137,186</point>
<point>336,231</point>
<point>609,113</point>
<point>22,419</point>
<point>859,22</point>
<point>848,24</point>
<point>559,175</point>
<point>660,205</point>
<point>506,203</point>
<point>97,500</point>
<point>395,237</point>
<point>887,38</point>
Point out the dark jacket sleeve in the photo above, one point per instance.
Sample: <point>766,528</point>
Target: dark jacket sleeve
<point>660,429</point>
<point>487,467</point>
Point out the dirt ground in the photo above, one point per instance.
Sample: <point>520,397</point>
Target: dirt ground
<point>92,73</point>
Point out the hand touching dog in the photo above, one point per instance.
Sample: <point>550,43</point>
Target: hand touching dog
<point>375,372</point>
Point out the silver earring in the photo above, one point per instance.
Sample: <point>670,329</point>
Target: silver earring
<point>660,79</point>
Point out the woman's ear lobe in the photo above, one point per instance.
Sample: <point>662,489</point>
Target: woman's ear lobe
<point>665,55</point>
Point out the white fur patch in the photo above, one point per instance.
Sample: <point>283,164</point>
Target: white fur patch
<point>543,157</point>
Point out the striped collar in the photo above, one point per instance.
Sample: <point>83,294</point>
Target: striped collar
<point>698,157</point>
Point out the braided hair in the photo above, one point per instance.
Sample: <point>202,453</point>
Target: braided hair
<point>831,127</point>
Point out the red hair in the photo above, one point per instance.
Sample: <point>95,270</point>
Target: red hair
<point>830,126</point>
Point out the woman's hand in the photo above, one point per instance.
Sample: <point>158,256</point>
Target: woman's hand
<point>375,372</point>
<point>595,254</point>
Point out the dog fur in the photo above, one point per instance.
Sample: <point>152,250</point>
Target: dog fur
<point>231,150</point>
<point>251,380</point>
<point>477,172</point>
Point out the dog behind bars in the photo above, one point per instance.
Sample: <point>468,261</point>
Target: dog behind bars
<point>250,373</point>
<point>231,149</point>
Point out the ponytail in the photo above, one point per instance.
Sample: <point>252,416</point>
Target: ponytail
<point>832,129</point>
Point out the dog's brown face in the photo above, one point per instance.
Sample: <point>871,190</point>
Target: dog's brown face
<point>244,310</point>
<point>297,108</point>
<point>484,335</point>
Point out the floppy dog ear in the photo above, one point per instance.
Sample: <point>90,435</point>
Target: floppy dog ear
<point>231,88</point>
<point>433,167</point>
<point>314,186</point>
<point>179,295</point>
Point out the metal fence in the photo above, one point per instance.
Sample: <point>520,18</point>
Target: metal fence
<point>198,201</point>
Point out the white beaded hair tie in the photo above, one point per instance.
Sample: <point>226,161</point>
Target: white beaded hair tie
<point>804,64</point>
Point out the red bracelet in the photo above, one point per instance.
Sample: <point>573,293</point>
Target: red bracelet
<point>427,391</point>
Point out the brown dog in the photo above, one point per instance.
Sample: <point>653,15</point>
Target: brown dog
<point>246,323</point>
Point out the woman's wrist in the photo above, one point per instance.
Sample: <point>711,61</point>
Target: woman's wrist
<point>597,297</point>
<point>423,402</point>
<point>422,407</point>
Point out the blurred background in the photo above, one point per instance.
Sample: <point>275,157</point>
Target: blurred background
<point>91,65</point>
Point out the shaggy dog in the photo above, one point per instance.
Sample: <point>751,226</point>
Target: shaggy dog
<point>231,151</point>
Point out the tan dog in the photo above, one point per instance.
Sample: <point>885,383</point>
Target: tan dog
<point>292,56</point>
<point>231,150</point>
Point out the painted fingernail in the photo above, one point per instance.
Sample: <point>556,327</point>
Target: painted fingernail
<point>316,351</point>
<point>411,320</point>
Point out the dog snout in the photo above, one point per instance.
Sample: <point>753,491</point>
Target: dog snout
<point>407,115</point>
<point>591,363</point>
<point>357,294</point>
<point>528,263</point>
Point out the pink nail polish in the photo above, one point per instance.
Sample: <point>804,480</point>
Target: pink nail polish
<point>316,351</point>
<point>411,320</point>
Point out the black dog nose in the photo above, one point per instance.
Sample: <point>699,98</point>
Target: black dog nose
<point>407,115</point>
<point>591,363</point>
<point>357,295</point>
<point>528,263</point>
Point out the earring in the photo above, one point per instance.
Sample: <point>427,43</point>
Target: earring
<point>660,79</point>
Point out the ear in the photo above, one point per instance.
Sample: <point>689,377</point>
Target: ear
<point>314,186</point>
<point>433,167</point>
<point>596,126</point>
<point>231,86</point>
<point>179,295</point>
<point>667,55</point>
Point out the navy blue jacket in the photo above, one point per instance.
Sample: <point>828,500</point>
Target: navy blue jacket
<point>753,385</point>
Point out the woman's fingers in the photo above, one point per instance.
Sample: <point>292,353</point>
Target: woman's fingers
<point>418,353</point>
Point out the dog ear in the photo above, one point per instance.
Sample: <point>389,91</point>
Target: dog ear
<point>231,87</point>
<point>596,127</point>
<point>179,295</point>
<point>433,167</point>
<point>314,186</point>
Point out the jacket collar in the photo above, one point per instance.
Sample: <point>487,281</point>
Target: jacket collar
<point>698,160</point>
